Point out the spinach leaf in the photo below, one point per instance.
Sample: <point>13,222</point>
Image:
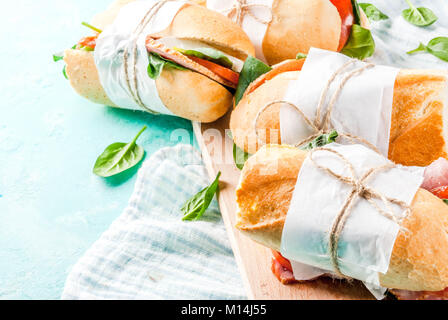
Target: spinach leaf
<point>85,48</point>
<point>64,72</point>
<point>239,156</point>
<point>437,47</point>
<point>118,157</point>
<point>208,54</point>
<point>195,207</point>
<point>91,27</point>
<point>321,140</point>
<point>372,12</point>
<point>58,56</point>
<point>360,44</point>
<point>420,17</point>
<point>356,12</point>
<point>252,69</point>
<point>157,63</point>
<point>301,56</point>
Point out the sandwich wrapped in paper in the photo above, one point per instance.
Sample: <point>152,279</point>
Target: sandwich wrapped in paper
<point>168,57</point>
<point>279,29</point>
<point>402,113</point>
<point>349,212</point>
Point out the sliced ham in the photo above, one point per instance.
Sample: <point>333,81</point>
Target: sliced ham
<point>152,45</point>
<point>436,175</point>
<point>284,275</point>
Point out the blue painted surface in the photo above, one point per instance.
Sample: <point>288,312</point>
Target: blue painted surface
<point>52,208</point>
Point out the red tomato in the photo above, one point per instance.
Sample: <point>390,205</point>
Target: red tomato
<point>282,260</point>
<point>345,10</point>
<point>221,71</point>
<point>441,192</point>
<point>88,42</point>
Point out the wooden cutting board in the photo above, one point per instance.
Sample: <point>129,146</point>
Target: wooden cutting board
<point>254,260</point>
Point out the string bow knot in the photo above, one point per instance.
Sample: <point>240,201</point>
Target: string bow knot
<point>240,8</point>
<point>360,190</point>
<point>322,125</point>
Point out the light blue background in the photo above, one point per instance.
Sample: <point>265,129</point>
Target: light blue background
<point>52,208</point>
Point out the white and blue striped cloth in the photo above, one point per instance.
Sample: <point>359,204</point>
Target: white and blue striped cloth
<point>149,253</point>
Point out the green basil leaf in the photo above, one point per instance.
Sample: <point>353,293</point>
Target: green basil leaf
<point>239,156</point>
<point>420,17</point>
<point>301,56</point>
<point>252,69</point>
<point>445,200</point>
<point>360,44</point>
<point>157,63</point>
<point>64,73</point>
<point>208,54</point>
<point>119,157</point>
<point>372,12</point>
<point>437,47</point>
<point>356,12</point>
<point>321,140</point>
<point>195,207</point>
<point>58,56</point>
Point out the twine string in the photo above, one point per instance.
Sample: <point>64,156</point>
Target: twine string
<point>133,89</point>
<point>241,8</point>
<point>359,190</point>
<point>322,125</point>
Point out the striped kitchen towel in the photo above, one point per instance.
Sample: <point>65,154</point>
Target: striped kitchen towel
<point>149,252</point>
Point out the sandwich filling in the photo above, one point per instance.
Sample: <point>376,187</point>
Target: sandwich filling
<point>196,56</point>
<point>345,10</point>
<point>435,181</point>
<point>183,54</point>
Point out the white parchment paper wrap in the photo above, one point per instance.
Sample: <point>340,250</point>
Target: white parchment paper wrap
<point>364,106</point>
<point>110,49</point>
<point>366,243</point>
<point>253,28</point>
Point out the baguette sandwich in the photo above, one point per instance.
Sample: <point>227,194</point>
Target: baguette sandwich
<point>294,26</point>
<point>418,266</point>
<point>201,52</point>
<point>419,123</point>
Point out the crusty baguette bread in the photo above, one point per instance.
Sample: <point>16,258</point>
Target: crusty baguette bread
<point>298,25</point>
<point>419,259</point>
<point>185,93</point>
<point>418,134</point>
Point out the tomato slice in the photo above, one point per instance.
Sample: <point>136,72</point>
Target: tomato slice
<point>345,10</point>
<point>88,42</point>
<point>441,192</point>
<point>282,260</point>
<point>221,71</point>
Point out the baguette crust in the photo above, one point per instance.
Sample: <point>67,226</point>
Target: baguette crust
<point>196,22</point>
<point>306,24</point>
<point>198,97</point>
<point>241,120</point>
<point>207,102</point>
<point>418,134</point>
<point>419,261</point>
<point>83,76</point>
